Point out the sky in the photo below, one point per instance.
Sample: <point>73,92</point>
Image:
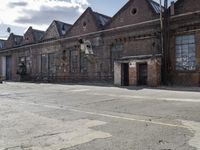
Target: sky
<point>20,14</point>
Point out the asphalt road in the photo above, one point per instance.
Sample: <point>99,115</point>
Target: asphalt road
<point>103,117</point>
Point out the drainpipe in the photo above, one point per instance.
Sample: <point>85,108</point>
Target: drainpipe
<point>162,45</point>
<point>161,27</point>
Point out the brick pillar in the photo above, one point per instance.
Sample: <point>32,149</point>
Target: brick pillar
<point>132,73</point>
<point>154,72</point>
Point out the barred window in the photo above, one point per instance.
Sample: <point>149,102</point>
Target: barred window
<point>84,63</point>
<point>44,64</point>
<point>52,63</point>
<point>185,53</point>
<point>74,61</point>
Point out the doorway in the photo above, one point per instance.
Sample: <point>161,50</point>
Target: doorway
<point>125,74</point>
<point>142,74</point>
<point>8,68</point>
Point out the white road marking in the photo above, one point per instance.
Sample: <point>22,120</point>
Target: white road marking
<point>69,108</point>
<point>80,90</point>
<point>129,119</point>
<point>149,98</point>
<point>181,99</point>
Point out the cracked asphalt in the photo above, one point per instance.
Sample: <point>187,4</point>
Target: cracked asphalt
<point>98,117</point>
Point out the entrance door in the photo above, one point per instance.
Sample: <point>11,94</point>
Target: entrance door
<point>125,74</point>
<point>142,74</point>
<point>8,68</point>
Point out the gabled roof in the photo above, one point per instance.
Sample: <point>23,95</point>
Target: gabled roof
<point>98,21</point>
<point>56,30</point>
<point>101,19</point>
<point>38,34</point>
<point>32,36</point>
<point>155,6</point>
<point>13,40</point>
<point>17,39</point>
<point>62,27</point>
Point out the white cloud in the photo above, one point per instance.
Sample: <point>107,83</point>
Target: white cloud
<point>12,10</point>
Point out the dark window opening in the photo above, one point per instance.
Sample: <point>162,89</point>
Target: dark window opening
<point>133,11</point>
<point>84,24</point>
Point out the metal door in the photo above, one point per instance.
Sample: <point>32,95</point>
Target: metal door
<point>125,74</point>
<point>142,74</point>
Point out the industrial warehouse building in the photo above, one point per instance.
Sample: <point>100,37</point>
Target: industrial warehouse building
<point>131,48</point>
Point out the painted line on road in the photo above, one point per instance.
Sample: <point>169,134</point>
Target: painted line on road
<point>129,119</point>
<point>80,90</point>
<point>69,108</point>
<point>148,97</point>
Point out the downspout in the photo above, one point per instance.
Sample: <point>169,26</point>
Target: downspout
<point>162,45</point>
<point>164,42</point>
<point>161,27</point>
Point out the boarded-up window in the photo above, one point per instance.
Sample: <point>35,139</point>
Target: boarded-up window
<point>185,53</point>
<point>74,61</point>
<point>44,64</point>
<point>84,63</point>
<point>52,64</point>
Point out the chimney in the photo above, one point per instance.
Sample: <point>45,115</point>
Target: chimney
<point>172,9</point>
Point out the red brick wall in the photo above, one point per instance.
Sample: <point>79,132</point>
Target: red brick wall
<point>124,16</point>
<point>51,32</point>
<point>154,73</point>
<point>184,6</point>
<point>28,36</point>
<point>132,74</point>
<point>78,27</point>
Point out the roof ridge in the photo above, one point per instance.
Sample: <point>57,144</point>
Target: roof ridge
<point>18,35</point>
<point>102,14</point>
<point>38,30</point>
<point>62,22</point>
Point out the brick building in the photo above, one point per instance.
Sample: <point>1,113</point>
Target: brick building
<point>124,49</point>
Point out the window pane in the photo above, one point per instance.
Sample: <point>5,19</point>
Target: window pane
<point>191,48</point>
<point>178,40</point>
<point>191,39</point>
<point>185,53</point>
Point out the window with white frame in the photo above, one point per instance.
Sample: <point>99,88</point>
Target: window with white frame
<point>185,53</point>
